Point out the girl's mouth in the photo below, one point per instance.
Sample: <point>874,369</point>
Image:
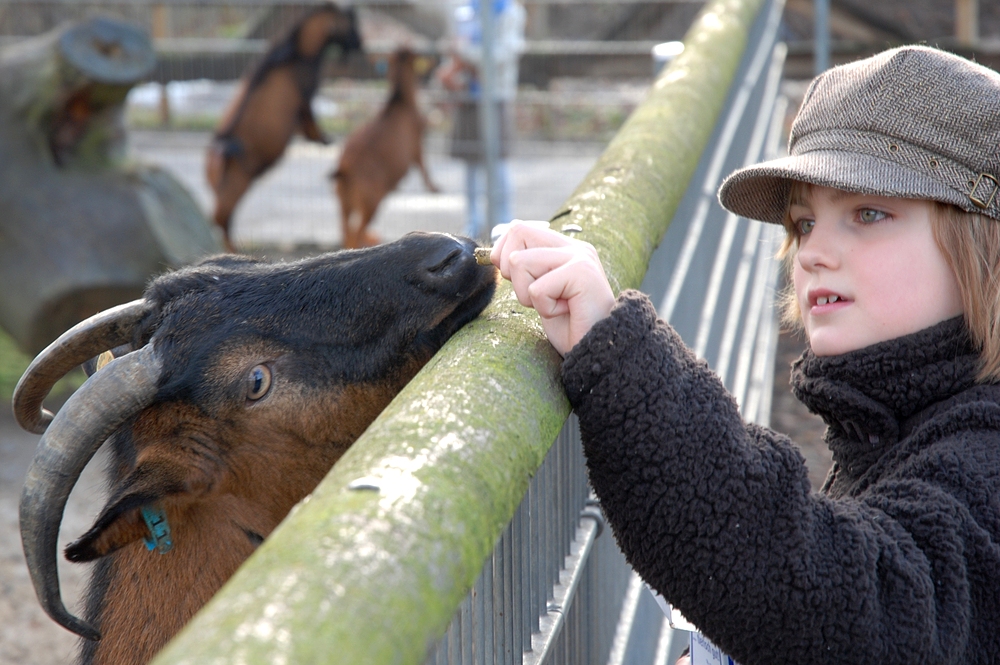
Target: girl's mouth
<point>827,302</point>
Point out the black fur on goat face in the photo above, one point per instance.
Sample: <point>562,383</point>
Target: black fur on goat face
<point>352,317</point>
<point>239,384</point>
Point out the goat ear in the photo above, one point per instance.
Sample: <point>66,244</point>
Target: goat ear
<point>166,483</point>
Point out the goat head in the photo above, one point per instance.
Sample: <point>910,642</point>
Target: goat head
<point>237,384</point>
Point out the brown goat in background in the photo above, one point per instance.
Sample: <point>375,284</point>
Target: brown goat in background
<point>239,384</point>
<point>272,103</point>
<point>377,155</point>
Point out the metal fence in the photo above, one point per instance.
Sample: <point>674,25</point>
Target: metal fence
<point>586,68</point>
<point>392,544</point>
<point>714,278</point>
<point>557,589</point>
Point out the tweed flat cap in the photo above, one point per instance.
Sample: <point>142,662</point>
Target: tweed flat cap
<point>912,122</point>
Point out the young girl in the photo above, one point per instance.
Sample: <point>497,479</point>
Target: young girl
<point>889,196</point>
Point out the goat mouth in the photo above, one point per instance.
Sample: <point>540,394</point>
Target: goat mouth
<point>470,307</point>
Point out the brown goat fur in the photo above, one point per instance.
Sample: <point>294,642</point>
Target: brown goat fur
<point>378,155</point>
<point>212,499</point>
<point>271,104</point>
<point>226,465</point>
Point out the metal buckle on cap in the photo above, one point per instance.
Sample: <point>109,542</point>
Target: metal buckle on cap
<point>989,201</point>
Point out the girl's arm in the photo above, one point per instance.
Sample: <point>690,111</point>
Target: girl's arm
<point>719,515</point>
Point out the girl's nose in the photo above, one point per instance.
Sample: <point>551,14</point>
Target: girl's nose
<point>818,248</point>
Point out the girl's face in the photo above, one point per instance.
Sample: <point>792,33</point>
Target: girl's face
<point>867,269</point>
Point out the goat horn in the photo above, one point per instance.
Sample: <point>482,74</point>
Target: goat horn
<point>80,343</point>
<point>93,413</point>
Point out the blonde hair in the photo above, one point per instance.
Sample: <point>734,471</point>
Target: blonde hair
<point>970,243</point>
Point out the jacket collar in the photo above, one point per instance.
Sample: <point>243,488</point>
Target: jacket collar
<point>871,397</point>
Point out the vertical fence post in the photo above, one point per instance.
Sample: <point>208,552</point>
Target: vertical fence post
<point>488,111</point>
<point>967,21</point>
<point>821,37</point>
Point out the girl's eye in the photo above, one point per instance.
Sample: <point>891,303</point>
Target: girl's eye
<point>805,226</point>
<point>258,382</point>
<point>869,215</point>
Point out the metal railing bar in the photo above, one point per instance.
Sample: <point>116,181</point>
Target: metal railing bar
<point>759,396</point>
<point>625,621</point>
<point>757,258</point>
<point>555,531</point>
<point>711,299</point>
<point>758,400</point>
<point>552,621</point>
<point>664,643</point>
<point>566,454</point>
<point>537,588</point>
<point>734,314</point>
<point>468,633</point>
<point>489,644</point>
<point>478,617</point>
<point>714,172</point>
<point>525,574</point>
<point>763,127</point>
<point>498,591</point>
<point>508,598</point>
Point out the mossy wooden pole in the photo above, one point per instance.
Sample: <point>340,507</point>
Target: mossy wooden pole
<point>371,568</point>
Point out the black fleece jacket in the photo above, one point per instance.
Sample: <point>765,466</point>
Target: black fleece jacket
<point>896,561</point>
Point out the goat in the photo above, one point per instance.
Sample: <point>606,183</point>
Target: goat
<point>237,384</point>
<point>377,155</point>
<point>272,102</point>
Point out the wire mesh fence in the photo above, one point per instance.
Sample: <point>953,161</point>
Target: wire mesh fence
<point>561,122</point>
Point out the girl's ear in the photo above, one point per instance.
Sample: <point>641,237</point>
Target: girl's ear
<point>163,487</point>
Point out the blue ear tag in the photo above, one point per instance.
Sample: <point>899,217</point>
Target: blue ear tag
<point>159,529</point>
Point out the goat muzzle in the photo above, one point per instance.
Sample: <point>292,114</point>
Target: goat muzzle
<point>80,343</point>
<point>109,398</point>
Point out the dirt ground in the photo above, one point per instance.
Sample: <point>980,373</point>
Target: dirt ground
<point>27,635</point>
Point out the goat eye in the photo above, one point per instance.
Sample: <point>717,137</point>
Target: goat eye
<point>258,382</point>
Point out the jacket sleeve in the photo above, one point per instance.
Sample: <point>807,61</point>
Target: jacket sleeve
<point>719,516</point>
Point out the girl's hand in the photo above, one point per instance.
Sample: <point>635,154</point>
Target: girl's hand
<point>561,278</point>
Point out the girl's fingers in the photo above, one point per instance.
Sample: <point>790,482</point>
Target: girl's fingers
<point>559,277</point>
<point>527,265</point>
<point>521,236</point>
<point>578,288</point>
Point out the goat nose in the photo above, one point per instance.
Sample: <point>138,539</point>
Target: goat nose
<point>449,257</point>
<point>443,266</point>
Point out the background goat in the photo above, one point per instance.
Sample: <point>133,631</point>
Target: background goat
<point>241,384</point>
<point>271,104</point>
<point>377,155</point>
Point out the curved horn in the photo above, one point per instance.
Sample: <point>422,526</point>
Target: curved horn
<point>108,398</point>
<point>80,343</point>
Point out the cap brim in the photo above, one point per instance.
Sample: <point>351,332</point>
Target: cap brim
<point>761,191</point>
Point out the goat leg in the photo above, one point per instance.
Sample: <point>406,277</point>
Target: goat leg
<point>235,182</point>
<point>431,187</point>
<point>428,183</point>
<point>310,128</point>
<point>363,238</point>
